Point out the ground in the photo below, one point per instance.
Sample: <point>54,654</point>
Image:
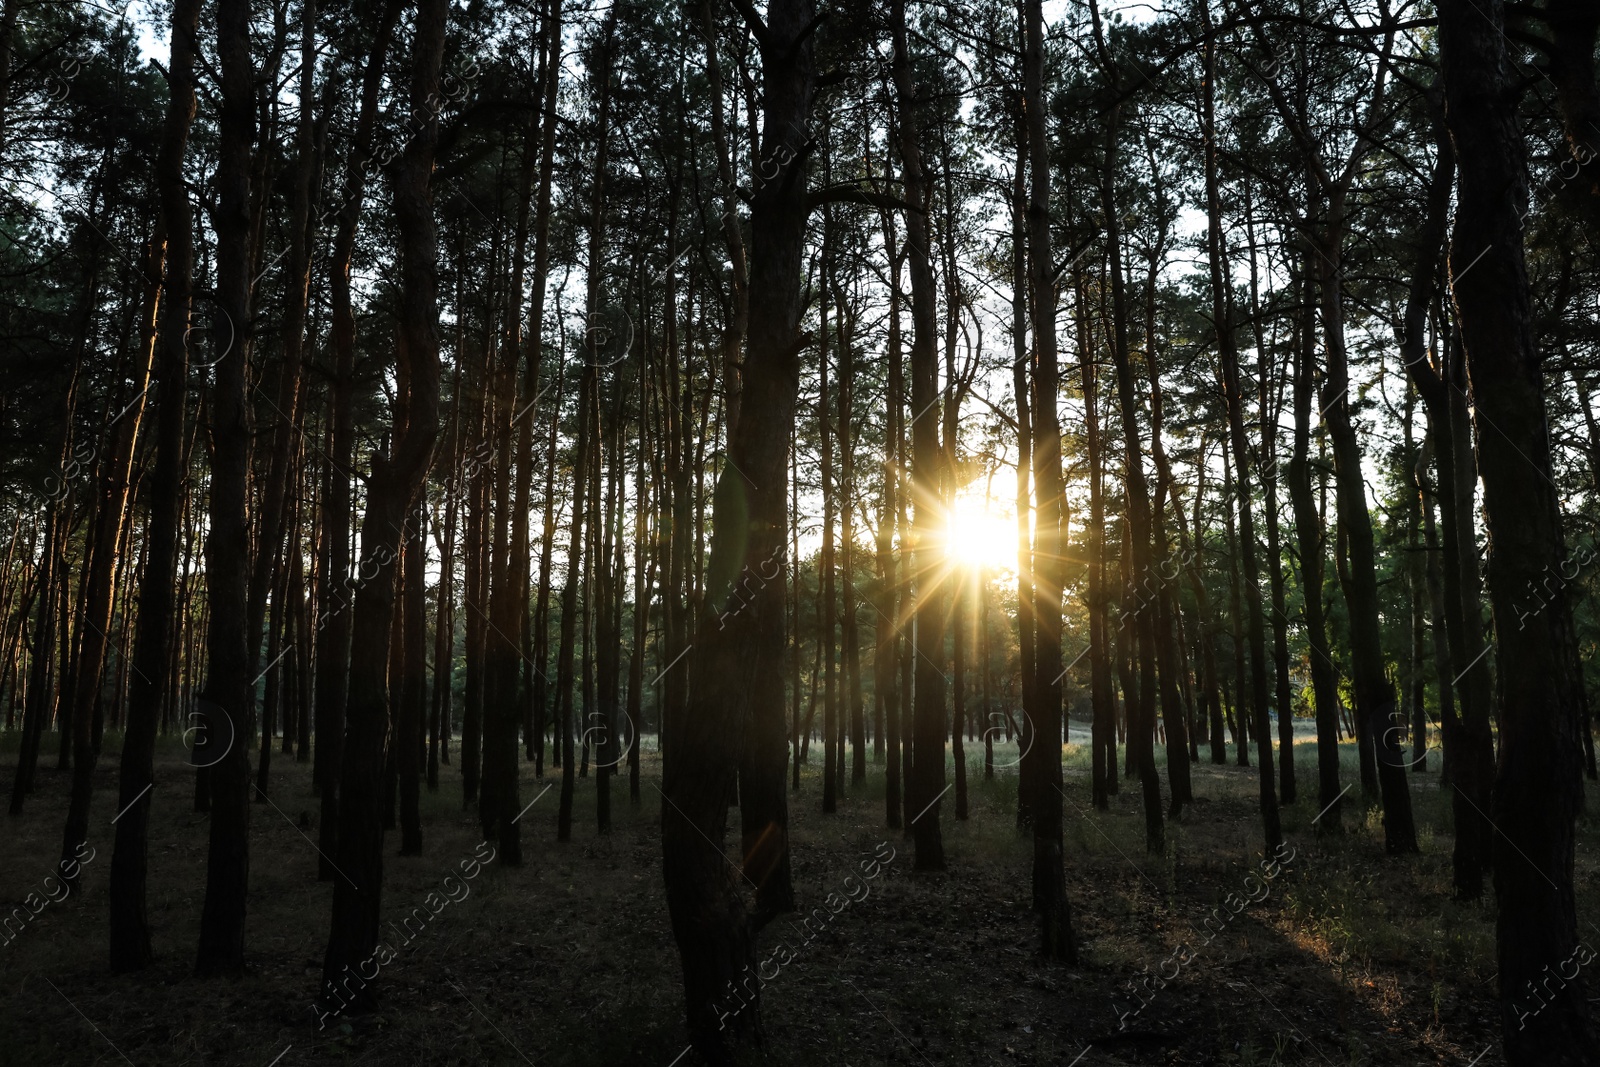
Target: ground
<point>1345,957</point>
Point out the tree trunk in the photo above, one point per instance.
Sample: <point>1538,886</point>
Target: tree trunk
<point>412,685</point>
<point>286,423</point>
<point>1021,281</point>
<point>827,614</point>
<point>1374,692</point>
<point>130,928</point>
<point>337,594</point>
<point>1049,877</point>
<point>1538,783</point>
<point>1270,407</point>
<point>733,727</point>
<point>927,561</point>
<point>393,489</point>
<point>1233,396</point>
<point>895,577</point>
<point>227,696</point>
<point>550,81</point>
<point>1310,549</point>
<point>1141,722</point>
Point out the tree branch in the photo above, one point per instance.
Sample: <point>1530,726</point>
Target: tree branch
<point>853,193</point>
<point>752,19</point>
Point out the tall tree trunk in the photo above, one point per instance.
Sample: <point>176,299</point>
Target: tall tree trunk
<point>1239,707</point>
<point>1416,588</point>
<point>1269,407</point>
<point>444,637</point>
<point>1374,692</point>
<point>550,82</point>
<point>827,614</point>
<point>1021,282</point>
<point>334,623</point>
<point>895,606</point>
<point>395,483</point>
<point>1049,876</point>
<point>1103,730</point>
<point>1432,571</point>
<point>1538,784</point>
<point>130,928</point>
<point>227,696</point>
<point>642,583</point>
<point>928,562</point>
<point>1469,751</point>
<point>541,607</point>
<point>853,703</point>
<point>586,505</point>
<point>410,688</point>
<point>1233,394</point>
<point>733,728</point>
<point>475,600</point>
<point>103,544</point>
<point>500,804</point>
<point>1141,712</point>
<point>1169,658</point>
<point>264,574</point>
<point>1310,549</point>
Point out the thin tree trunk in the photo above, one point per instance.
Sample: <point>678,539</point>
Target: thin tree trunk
<point>827,584</point>
<point>1142,634</point>
<point>894,605</point>
<point>1234,396</point>
<point>927,561</point>
<point>1057,940</point>
<point>1310,549</point>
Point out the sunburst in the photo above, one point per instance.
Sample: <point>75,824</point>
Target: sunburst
<point>978,537</point>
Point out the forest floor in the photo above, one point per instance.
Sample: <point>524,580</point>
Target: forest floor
<point>1350,958</point>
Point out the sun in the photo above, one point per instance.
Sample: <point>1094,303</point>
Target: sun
<point>978,537</point>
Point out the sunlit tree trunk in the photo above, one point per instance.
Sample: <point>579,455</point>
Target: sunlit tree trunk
<point>130,928</point>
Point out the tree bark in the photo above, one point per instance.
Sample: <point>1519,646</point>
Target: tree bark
<point>1310,549</point>
<point>227,696</point>
<point>338,594</point>
<point>130,928</point>
<point>1233,396</point>
<point>1049,877</point>
<point>733,727</point>
<point>928,562</point>
<point>1538,783</point>
<point>393,489</point>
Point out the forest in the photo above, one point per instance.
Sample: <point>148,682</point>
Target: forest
<point>1018,532</point>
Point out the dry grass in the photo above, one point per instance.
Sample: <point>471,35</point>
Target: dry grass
<point>1353,958</point>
